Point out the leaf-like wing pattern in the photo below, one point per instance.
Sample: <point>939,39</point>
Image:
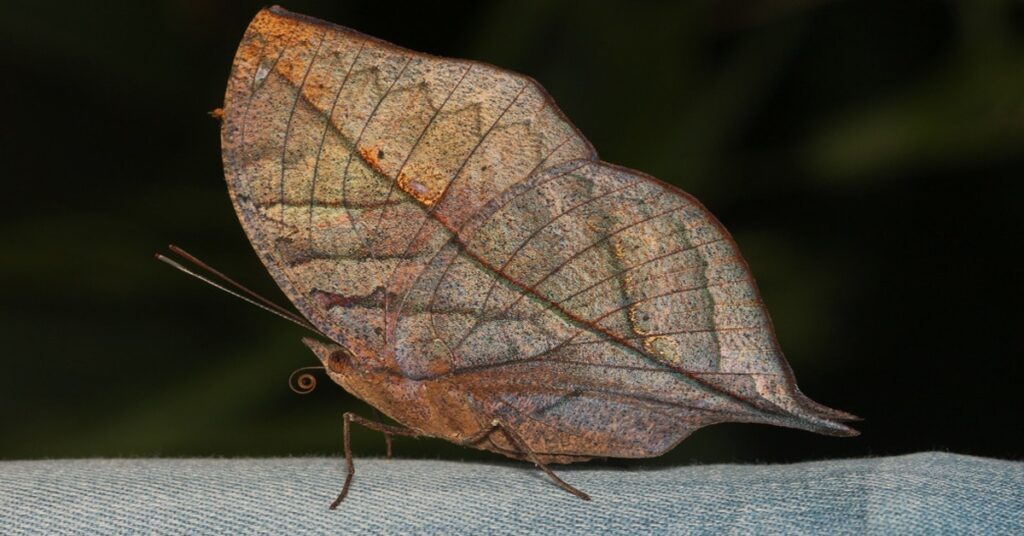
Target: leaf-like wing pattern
<point>444,216</point>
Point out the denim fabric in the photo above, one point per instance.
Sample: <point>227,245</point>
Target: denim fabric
<point>927,493</point>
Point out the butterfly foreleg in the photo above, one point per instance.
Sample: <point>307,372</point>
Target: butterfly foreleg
<point>521,446</point>
<point>387,436</point>
<point>387,429</point>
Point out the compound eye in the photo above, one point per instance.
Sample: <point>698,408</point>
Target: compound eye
<point>339,360</point>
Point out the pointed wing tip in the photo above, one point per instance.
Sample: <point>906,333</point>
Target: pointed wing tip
<point>814,417</point>
<point>832,427</point>
<point>837,416</point>
<point>825,420</point>
<point>841,430</point>
<point>828,413</point>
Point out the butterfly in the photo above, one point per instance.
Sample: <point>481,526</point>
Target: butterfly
<point>474,270</point>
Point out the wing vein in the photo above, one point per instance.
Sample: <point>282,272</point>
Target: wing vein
<point>589,247</point>
<point>518,249</point>
<point>639,265</point>
<point>433,117</point>
<point>355,147</point>
<point>291,116</point>
<point>323,140</point>
<point>429,213</point>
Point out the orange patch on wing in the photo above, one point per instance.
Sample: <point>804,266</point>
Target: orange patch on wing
<point>424,183</point>
<point>372,156</point>
<point>426,186</point>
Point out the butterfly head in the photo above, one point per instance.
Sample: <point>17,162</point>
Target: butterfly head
<point>336,358</point>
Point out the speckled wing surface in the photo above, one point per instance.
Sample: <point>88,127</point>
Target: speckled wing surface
<point>445,217</point>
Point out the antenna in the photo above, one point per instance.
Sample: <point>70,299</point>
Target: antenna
<point>239,291</point>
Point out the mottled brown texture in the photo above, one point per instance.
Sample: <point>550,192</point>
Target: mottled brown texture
<point>471,258</point>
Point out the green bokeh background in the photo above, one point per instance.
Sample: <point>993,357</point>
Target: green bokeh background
<point>866,155</point>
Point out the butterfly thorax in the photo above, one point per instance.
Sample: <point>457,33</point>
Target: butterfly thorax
<point>433,408</point>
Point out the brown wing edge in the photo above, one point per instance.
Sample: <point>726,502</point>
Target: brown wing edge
<point>282,12</point>
<point>805,414</point>
<point>230,145</point>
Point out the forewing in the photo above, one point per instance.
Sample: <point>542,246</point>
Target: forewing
<point>445,216</point>
<point>347,157</point>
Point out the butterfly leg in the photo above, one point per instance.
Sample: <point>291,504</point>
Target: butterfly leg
<point>523,448</point>
<point>386,429</point>
<point>387,435</point>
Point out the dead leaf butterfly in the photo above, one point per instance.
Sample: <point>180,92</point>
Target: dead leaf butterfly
<point>475,271</point>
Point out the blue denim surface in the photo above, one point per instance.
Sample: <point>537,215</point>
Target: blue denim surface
<point>927,493</point>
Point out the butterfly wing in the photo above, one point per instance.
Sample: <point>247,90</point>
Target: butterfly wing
<point>445,215</point>
<point>319,120</point>
<point>617,303</point>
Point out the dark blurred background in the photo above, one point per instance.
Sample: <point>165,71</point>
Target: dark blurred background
<point>866,155</point>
